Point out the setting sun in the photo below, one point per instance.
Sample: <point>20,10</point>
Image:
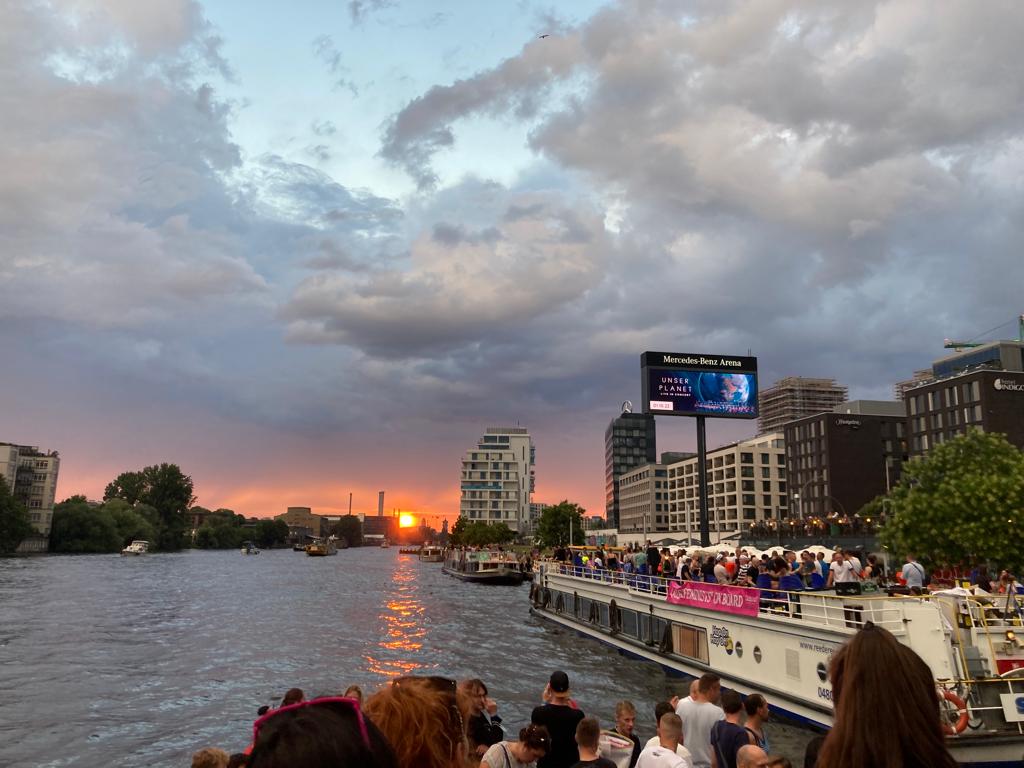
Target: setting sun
<point>406,521</point>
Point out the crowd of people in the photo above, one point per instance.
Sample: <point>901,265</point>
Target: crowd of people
<point>781,568</point>
<point>436,722</point>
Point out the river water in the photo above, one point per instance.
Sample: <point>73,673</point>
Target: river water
<point>119,661</point>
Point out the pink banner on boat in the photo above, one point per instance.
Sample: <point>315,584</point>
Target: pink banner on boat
<point>715,597</point>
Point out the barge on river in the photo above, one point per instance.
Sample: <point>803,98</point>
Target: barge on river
<point>779,643</point>
<point>484,566</point>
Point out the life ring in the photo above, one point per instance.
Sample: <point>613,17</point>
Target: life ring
<point>614,617</point>
<point>961,708</point>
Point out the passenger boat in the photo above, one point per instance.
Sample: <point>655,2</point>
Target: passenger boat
<point>484,566</point>
<point>780,642</point>
<point>321,548</point>
<point>137,547</point>
<point>250,548</point>
<point>384,543</point>
<point>408,550</point>
<point>431,553</point>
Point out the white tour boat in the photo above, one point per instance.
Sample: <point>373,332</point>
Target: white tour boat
<point>137,547</point>
<point>431,553</point>
<point>484,566</point>
<point>779,643</point>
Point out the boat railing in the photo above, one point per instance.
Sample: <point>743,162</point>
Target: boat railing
<point>844,613</point>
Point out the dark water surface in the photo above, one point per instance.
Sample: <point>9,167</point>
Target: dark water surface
<point>120,661</point>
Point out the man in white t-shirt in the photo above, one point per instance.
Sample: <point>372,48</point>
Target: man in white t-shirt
<point>841,571</point>
<point>699,716</point>
<point>664,753</point>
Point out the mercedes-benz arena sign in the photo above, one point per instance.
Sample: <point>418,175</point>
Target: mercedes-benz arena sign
<point>681,384</point>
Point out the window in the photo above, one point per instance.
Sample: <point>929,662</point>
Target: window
<point>766,486</point>
<point>746,458</point>
<point>764,458</point>
<point>691,642</point>
<point>748,499</point>
<point>766,472</point>
<point>748,485</point>
<point>766,500</point>
<point>746,471</point>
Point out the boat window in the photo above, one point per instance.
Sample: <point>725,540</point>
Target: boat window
<point>645,627</point>
<point>630,625</point>
<point>584,608</point>
<point>691,642</point>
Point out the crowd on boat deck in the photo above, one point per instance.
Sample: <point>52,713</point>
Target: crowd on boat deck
<point>782,568</point>
<point>435,722</point>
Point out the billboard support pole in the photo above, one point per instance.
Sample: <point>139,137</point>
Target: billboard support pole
<point>702,479</point>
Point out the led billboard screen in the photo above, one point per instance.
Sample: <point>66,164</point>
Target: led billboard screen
<point>700,385</point>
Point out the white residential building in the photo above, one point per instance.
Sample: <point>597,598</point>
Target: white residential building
<point>497,478</point>
<point>31,476</point>
<point>746,485</point>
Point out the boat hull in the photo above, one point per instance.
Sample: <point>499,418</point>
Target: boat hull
<point>504,576</point>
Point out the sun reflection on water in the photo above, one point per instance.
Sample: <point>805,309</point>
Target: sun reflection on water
<point>402,628</point>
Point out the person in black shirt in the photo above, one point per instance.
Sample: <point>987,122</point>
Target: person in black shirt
<point>483,726</point>
<point>653,559</point>
<point>588,734</point>
<point>560,718</point>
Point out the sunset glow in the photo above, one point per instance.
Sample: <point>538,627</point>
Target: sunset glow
<point>406,521</point>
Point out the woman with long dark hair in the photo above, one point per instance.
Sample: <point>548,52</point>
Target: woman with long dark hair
<point>886,707</point>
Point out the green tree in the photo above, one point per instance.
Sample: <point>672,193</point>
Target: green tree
<point>80,527</point>
<point>15,524</point>
<point>962,502</point>
<point>350,529</point>
<point>554,522</point>
<point>165,488</point>
<point>269,533</point>
<point>131,522</point>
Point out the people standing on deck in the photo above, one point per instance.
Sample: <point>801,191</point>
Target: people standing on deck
<point>625,722</point>
<point>640,561</point>
<point>842,571</point>
<point>561,720</point>
<point>534,742</point>
<point>913,574</point>
<point>874,570</point>
<point>653,559</point>
<point>720,571</point>
<point>825,566</point>
<point>664,754</point>
<point>699,717</point>
<point>756,706</point>
<point>588,734</point>
<point>483,726</point>
<point>727,736</point>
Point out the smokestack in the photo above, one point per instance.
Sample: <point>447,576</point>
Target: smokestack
<point>380,503</point>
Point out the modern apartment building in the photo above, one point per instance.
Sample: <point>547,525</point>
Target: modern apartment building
<point>629,442</point>
<point>31,475</point>
<point>839,460</point>
<point>643,500</point>
<point>498,478</point>
<point>747,484</point>
<point>793,398</point>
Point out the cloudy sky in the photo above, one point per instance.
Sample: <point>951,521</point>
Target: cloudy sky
<point>312,248</point>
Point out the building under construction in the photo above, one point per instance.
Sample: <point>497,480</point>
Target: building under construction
<point>795,397</point>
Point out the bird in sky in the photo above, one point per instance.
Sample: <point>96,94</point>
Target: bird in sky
<point>543,36</point>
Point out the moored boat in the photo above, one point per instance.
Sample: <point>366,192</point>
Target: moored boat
<point>779,643</point>
<point>431,553</point>
<point>137,547</point>
<point>484,566</point>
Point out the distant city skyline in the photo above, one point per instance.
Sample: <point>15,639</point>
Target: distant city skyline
<point>311,249</point>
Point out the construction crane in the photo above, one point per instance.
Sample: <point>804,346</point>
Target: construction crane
<point>958,345</point>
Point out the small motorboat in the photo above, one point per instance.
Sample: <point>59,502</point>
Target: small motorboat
<point>250,548</point>
<point>322,548</point>
<point>137,547</point>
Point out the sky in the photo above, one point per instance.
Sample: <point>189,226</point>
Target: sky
<point>311,249</point>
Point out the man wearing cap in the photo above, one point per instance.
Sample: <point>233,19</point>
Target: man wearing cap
<point>560,718</point>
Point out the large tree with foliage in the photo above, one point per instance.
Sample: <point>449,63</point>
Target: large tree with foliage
<point>350,529</point>
<point>15,524</point>
<point>477,533</point>
<point>553,526</point>
<point>962,502</point>
<point>165,488</point>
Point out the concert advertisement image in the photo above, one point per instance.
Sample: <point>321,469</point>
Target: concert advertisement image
<point>702,393</point>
